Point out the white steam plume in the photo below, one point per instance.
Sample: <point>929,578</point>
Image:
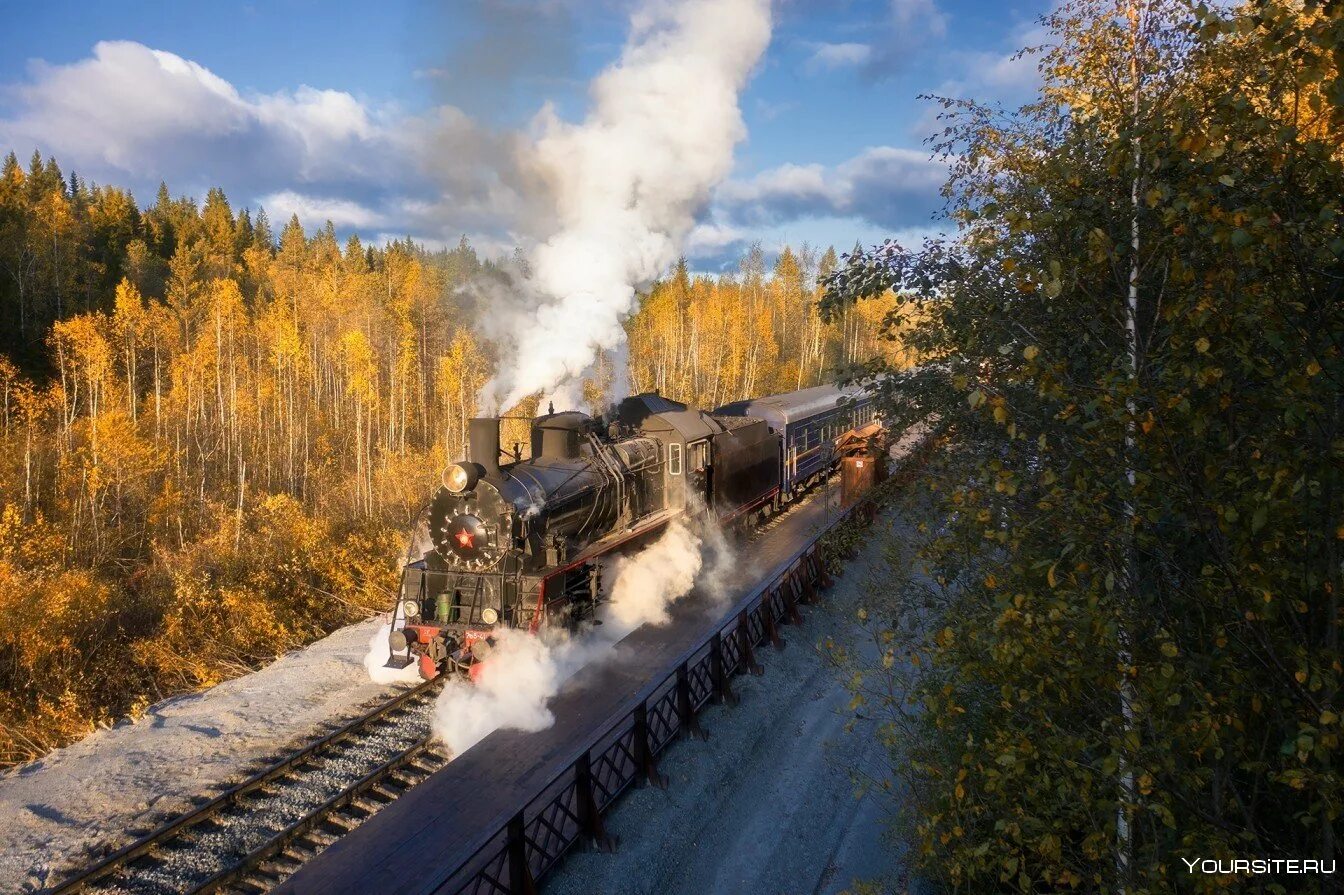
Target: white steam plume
<point>513,688</point>
<point>647,583</point>
<point>627,185</point>
<point>511,691</point>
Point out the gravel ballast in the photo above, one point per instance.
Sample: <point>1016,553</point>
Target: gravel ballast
<point>95,795</point>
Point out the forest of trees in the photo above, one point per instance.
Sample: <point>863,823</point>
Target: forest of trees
<point>214,440</point>
<point>1117,648</point>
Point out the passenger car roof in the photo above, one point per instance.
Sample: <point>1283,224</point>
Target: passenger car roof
<point>793,406</point>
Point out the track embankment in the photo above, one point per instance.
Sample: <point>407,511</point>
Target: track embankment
<point>68,809</point>
<point>294,815</point>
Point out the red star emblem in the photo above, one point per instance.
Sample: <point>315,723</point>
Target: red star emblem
<point>464,538</point>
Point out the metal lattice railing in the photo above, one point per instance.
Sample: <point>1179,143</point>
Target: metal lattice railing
<point>569,810</point>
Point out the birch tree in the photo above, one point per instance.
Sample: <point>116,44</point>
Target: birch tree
<point>1125,652</point>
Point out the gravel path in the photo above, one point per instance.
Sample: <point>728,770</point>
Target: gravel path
<point>767,804</point>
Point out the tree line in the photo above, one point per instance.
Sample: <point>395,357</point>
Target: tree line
<point>1113,650</point>
<point>214,438</point>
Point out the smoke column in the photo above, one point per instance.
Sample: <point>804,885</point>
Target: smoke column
<point>626,184</point>
<point>524,672</point>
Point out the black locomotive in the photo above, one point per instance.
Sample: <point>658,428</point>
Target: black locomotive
<point>524,543</point>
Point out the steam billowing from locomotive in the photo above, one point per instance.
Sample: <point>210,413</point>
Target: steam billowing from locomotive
<point>627,185</point>
<point>513,690</point>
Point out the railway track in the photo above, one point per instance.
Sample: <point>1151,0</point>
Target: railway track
<point>253,835</point>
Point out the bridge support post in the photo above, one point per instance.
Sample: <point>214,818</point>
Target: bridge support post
<point>690,724</point>
<point>644,759</point>
<point>590,816</point>
<point>768,619</point>
<point>806,581</point>
<point>817,578</point>
<point>520,874</point>
<point>743,635</point>
<point>791,600</point>
<point>723,692</point>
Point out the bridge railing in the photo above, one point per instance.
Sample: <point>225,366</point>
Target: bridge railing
<point>569,810</point>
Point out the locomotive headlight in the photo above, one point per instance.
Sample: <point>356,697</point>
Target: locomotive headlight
<point>489,616</point>
<point>459,477</point>
<point>411,608</point>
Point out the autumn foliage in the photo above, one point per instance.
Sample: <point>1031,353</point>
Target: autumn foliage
<point>213,440</point>
<point>1113,646</point>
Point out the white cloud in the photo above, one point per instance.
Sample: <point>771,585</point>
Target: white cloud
<point>1001,74</point>
<point>315,210</point>
<point>907,30</point>
<point>116,105</point>
<point>920,18</point>
<point>1010,77</point>
<point>887,186</point>
<point>130,109</point>
<point>838,55</point>
<point>133,115</point>
<point>712,238</point>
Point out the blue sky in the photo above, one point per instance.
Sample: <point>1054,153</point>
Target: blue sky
<point>336,109</point>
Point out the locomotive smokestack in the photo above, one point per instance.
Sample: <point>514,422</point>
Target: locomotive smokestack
<point>483,443</point>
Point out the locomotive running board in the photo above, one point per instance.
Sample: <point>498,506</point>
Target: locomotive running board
<point>648,524</point>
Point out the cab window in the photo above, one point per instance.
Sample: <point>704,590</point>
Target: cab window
<point>674,459</point>
<point>698,456</point>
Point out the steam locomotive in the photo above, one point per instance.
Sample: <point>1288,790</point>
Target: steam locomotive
<point>525,543</point>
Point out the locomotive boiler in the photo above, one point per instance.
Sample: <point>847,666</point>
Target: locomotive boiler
<point>525,543</point>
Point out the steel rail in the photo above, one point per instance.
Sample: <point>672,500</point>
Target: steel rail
<point>229,797</point>
<point>277,844</point>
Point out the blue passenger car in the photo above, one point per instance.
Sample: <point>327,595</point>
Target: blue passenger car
<point>810,420</point>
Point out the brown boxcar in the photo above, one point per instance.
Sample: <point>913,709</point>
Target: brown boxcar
<point>858,474</point>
